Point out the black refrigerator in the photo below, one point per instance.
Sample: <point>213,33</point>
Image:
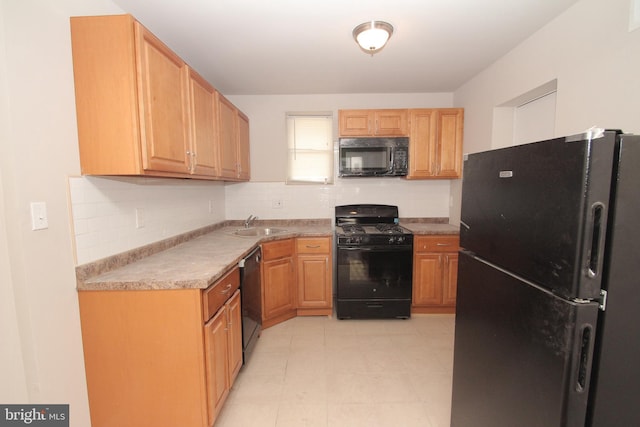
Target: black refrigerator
<point>548,306</point>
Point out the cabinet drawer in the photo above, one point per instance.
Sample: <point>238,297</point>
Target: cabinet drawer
<point>313,245</point>
<point>448,243</point>
<point>217,294</point>
<point>277,249</point>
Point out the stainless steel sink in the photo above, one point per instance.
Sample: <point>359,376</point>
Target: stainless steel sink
<point>257,231</point>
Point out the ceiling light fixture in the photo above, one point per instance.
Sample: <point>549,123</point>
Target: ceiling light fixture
<point>372,36</point>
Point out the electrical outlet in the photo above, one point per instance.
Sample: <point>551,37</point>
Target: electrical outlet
<point>210,206</point>
<point>276,204</point>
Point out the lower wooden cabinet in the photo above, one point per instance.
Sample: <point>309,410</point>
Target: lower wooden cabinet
<point>216,347</point>
<point>278,282</point>
<point>297,279</point>
<point>435,273</point>
<point>315,274</point>
<point>223,353</point>
<point>147,360</point>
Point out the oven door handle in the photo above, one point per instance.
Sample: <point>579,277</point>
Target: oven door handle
<point>376,248</point>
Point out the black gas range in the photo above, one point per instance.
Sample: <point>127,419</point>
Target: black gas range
<point>374,262</point>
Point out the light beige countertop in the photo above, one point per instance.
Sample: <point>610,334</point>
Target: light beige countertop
<point>196,263</point>
<point>425,228</point>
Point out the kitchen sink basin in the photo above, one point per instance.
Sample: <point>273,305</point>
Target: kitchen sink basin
<point>256,231</point>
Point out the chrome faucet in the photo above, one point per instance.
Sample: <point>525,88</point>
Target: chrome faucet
<point>249,221</point>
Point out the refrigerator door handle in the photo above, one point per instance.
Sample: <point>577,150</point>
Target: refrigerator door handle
<point>582,350</point>
<point>585,360</point>
<point>597,229</point>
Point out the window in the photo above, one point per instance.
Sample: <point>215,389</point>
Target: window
<point>310,150</point>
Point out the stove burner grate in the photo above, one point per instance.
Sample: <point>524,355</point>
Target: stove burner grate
<point>390,228</point>
<point>352,228</point>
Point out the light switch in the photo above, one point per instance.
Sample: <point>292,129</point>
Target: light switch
<point>39,219</point>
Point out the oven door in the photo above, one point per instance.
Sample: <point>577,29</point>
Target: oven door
<point>374,272</point>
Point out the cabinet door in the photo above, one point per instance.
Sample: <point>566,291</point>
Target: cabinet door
<point>422,147</point>
<point>202,99</point>
<point>278,296</point>
<point>234,321</point>
<point>435,144</point>
<point>163,105</point>
<point>244,166</point>
<point>427,277</point>
<point>390,123</point>
<point>227,138</point>
<point>450,279</point>
<point>217,366</point>
<point>449,142</point>
<point>355,122</point>
<point>314,281</point>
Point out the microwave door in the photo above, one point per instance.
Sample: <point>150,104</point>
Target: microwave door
<point>364,161</point>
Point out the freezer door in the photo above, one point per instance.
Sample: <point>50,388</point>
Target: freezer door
<point>540,210</point>
<point>522,356</point>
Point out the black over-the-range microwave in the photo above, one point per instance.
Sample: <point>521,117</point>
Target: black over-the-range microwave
<point>373,156</point>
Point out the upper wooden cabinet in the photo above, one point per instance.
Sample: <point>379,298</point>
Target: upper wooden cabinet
<point>227,138</point>
<point>244,163</point>
<point>373,122</point>
<point>233,141</point>
<point>203,102</point>
<point>140,109</point>
<point>435,143</point>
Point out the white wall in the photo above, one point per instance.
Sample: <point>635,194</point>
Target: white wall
<point>42,358</point>
<point>40,329</point>
<point>588,49</point>
<point>267,121</point>
<point>14,388</point>
<point>596,62</point>
<point>269,162</point>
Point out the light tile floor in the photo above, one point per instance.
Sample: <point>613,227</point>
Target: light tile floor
<point>324,372</point>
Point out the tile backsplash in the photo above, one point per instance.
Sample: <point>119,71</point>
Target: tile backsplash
<point>273,200</point>
<point>115,214</point>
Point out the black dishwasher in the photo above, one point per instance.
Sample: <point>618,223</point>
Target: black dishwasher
<point>250,289</point>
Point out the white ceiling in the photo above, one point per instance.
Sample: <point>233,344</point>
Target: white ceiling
<point>306,46</point>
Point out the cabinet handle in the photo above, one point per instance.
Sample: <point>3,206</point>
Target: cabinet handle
<point>443,244</point>
<point>191,164</point>
<point>226,289</point>
<point>313,246</point>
